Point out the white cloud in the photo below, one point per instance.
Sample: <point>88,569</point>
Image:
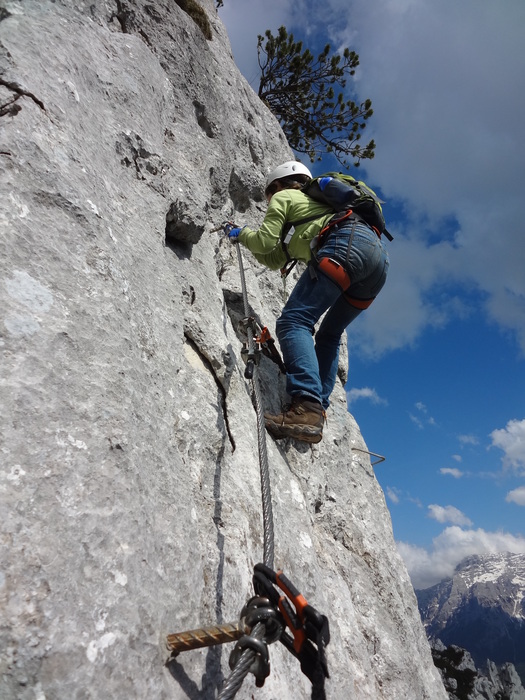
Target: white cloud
<point>417,420</point>
<point>516,496</point>
<point>457,458</point>
<point>416,501</point>
<point>437,152</point>
<point>511,440</point>
<point>454,544</point>
<point>468,439</point>
<point>392,494</point>
<point>365,393</point>
<point>456,473</point>
<point>448,122</point>
<point>448,514</point>
<point>414,271</point>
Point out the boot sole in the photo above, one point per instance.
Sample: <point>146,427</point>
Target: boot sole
<point>304,433</point>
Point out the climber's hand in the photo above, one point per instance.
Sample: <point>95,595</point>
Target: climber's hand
<point>233,234</point>
<point>231,231</point>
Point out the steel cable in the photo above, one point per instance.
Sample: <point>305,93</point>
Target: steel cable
<point>265,477</point>
<point>245,661</point>
<point>261,432</point>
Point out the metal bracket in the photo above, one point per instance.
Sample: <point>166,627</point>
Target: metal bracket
<point>372,454</point>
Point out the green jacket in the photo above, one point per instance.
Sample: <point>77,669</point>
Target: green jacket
<point>285,207</point>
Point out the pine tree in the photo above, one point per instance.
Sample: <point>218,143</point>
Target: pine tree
<point>300,92</point>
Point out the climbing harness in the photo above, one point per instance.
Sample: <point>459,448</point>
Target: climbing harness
<point>317,241</point>
<point>331,268</point>
<point>277,606</point>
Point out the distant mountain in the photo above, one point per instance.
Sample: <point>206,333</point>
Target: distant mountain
<point>481,609</point>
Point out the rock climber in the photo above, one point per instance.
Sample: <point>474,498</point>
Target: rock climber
<point>351,250</point>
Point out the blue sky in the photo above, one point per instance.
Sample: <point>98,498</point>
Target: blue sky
<point>437,365</point>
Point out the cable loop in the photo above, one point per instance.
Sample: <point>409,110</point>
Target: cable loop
<point>259,609</point>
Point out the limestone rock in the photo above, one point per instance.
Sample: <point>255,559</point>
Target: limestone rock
<point>464,681</point>
<point>130,487</point>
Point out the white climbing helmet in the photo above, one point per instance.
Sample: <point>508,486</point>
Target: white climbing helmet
<point>291,167</point>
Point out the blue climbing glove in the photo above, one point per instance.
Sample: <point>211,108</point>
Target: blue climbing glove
<point>323,182</point>
<point>231,231</point>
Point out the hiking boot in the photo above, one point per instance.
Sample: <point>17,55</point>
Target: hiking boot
<point>302,420</point>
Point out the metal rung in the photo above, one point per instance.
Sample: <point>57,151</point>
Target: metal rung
<point>372,454</point>
<point>206,637</point>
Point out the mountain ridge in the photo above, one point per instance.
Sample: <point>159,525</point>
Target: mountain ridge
<point>481,609</point>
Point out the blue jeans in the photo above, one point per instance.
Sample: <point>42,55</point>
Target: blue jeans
<point>312,361</point>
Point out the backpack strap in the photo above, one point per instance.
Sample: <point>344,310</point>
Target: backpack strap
<point>287,233</point>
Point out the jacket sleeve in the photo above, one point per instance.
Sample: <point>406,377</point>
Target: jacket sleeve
<point>265,243</point>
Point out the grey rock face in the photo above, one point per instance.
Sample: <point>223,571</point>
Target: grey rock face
<point>130,487</point>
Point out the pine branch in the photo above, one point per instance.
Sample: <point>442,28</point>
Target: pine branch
<point>307,96</point>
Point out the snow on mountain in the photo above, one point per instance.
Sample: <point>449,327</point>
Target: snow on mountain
<point>481,609</point>
<point>498,579</point>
